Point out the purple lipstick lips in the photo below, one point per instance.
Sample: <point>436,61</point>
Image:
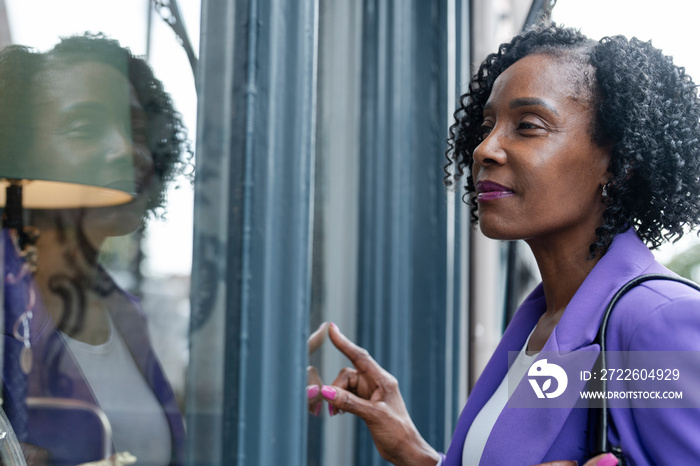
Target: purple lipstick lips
<point>488,191</point>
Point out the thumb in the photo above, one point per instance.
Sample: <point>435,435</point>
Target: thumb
<point>342,400</point>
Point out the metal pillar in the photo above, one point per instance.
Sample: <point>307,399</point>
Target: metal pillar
<point>402,265</point>
<point>251,270</point>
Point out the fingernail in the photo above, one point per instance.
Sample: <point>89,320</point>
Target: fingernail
<point>335,327</point>
<point>312,391</point>
<point>317,411</point>
<point>321,326</point>
<point>607,460</point>
<point>328,393</point>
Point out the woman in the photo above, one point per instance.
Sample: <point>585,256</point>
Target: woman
<point>585,150</point>
<point>96,109</point>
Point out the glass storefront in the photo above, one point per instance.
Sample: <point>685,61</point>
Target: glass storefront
<point>99,125</point>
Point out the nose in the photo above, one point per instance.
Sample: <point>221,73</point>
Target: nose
<point>118,167</point>
<point>120,146</point>
<point>491,150</point>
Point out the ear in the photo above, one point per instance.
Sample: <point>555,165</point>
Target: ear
<point>604,155</point>
<point>605,175</point>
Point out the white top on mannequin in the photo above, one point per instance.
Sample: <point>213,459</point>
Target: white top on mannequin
<point>139,425</point>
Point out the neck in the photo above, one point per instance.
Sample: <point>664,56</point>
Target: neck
<point>66,276</point>
<point>68,251</point>
<point>564,264</point>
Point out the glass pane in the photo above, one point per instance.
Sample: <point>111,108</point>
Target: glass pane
<point>96,153</point>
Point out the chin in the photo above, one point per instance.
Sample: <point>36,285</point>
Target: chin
<point>121,226</point>
<point>115,221</point>
<point>498,232</point>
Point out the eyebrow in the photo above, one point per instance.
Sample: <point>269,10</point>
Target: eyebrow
<point>527,101</point>
<point>83,105</point>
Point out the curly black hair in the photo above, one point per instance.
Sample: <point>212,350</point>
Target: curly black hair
<point>165,132</point>
<point>646,108</point>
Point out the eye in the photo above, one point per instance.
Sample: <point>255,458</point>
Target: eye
<point>85,126</point>
<point>483,130</point>
<point>83,129</point>
<point>527,125</point>
<point>531,126</point>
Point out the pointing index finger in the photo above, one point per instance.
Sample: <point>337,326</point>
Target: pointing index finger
<point>359,356</point>
<point>316,339</point>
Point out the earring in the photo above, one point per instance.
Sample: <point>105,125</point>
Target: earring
<point>605,191</point>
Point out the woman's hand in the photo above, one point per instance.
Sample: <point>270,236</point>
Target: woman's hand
<point>607,459</point>
<point>313,380</point>
<point>370,392</point>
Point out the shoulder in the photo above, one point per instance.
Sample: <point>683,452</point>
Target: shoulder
<point>657,315</point>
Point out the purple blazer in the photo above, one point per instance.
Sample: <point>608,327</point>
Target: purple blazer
<point>655,316</point>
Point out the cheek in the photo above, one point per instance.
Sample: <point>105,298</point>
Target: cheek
<point>575,192</point>
<point>566,187</point>
<point>588,175</point>
<point>474,171</point>
<point>143,162</point>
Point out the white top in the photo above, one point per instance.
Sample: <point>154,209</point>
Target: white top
<point>139,425</point>
<point>483,423</point>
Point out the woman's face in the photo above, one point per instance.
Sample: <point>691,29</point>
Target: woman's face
<point>89,120</point>
<point>537,171</point>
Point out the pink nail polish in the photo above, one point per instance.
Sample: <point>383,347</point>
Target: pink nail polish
<point>328,392</point>
<point>330,410</point>
<point>312,391</point>
<point>607,460</point>
<point>335,327</point>
<point>321,326</point>
<point>317,411</point>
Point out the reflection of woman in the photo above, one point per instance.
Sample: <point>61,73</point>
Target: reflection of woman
<point>95,109</point>
<point>585,150</point>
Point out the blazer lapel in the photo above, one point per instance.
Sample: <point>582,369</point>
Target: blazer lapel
<point>513,340</point>
<point>526,435</point>
<point>131,324</point>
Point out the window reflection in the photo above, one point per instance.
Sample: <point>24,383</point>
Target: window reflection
<point>81,379</point>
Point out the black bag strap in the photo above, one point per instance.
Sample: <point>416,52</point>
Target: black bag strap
<point>602,414</point>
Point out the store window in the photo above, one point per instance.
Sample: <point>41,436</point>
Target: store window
<point>98,105</point>
<point>177,295</point>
